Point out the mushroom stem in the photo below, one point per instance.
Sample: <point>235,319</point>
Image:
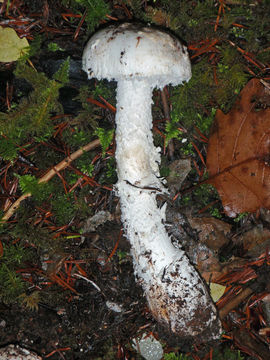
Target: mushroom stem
<point>141,58</point>
<point>137,157</point>
<point>138,176</point>
<point>175,292</point>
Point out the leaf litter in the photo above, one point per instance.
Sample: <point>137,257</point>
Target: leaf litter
<point>238,152</point>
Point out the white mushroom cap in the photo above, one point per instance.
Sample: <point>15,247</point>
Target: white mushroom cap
<point>129,51</point>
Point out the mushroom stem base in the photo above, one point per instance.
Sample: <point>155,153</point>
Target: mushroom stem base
<point>177,296</point>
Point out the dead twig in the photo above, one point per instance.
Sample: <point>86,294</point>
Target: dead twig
<point>50,174</point>
<point>166,110</point>
<point>235,302</point>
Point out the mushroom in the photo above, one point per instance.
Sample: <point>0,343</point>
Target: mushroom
<point>142,58</point>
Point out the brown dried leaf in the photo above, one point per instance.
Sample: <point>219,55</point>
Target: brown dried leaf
<point>253,239</point>
<point>179,170</point>
<point>238,152</point>
<point>212,232</point>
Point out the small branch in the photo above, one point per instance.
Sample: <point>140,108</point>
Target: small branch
<point>50,174</point>
<point>165,104</point>
<point>166,111</point>
<point>88,280</point>
<point>79,26</point>
<point>235,302</point>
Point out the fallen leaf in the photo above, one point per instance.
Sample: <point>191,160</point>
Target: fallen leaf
<point>253,238</point>
<point>11,46</point>
<point>216,291</point>
<point>238,152</point>
<point>179,170</point>
<point>208,265</point>
<point>212,232</point>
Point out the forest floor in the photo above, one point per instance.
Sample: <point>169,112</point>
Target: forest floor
<point>67,283</point>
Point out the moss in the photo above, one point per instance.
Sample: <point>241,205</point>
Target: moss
<point>194,97</point>
<point>31,117</point>
<point>231,77</point>
<point>11,282</point>
<point>96,10</point>
<point>105,138</point>
<point>28,233</point>
<point>218,354</point>
<point>195,102</point>
<point>29,184</point>
<point>190,19</point>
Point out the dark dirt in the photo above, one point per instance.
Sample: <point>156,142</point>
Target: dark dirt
<point>83,323</point>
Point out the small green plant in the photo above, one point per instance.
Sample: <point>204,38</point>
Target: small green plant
<point>84,165</point>
<point>87,169</point>
<point>102,89</point>
<point>172,129</point>
<point>221,68</point>
<point>240,217</point>
<point>122,256</point>
<point>187,148</point>
<point>79,137</point>
<point>54,47</point>
<point>8,149</point>
<point>111,170</point>
<point>186,200</point>
<point>215,212</point>
<point>226,354</point>
<point>218,354</point>
<point>11,283</point>
<point>30,301</point>
<point>13,255</point>
<point>30,184</point>
<point>173,356</point>
<point>204,123</point>
<point>31,120</point>
<point>105,137</point>
<point>164,171</point>
<point>32,50</point>
<point>63,208</point>
<point>205,193</point>
<point>96,10</point>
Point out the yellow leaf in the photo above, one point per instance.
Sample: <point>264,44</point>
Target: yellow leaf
<point>216,291</point>
<point>11,46</point>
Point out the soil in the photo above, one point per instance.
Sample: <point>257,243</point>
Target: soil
<point>83,323</point>
<point>108,308</point>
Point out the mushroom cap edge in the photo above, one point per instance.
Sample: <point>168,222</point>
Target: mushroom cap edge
<point>131,51</point>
